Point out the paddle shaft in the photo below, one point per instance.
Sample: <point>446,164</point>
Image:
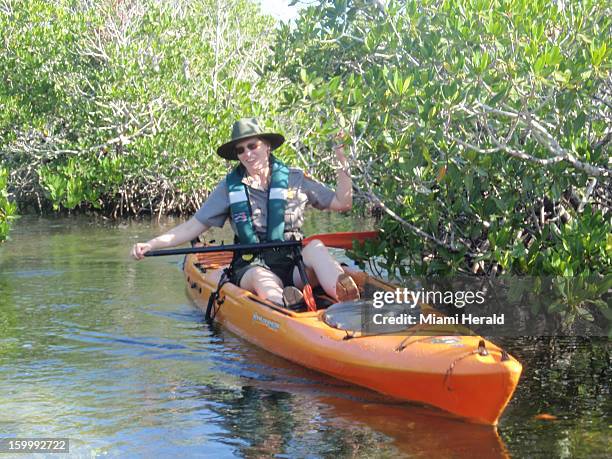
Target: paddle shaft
<point>225,248</point>
<point>337,240</point>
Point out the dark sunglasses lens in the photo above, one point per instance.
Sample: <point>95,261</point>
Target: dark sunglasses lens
<point>250,146</point>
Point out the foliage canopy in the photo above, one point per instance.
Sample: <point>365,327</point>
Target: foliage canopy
<point>481,130</point>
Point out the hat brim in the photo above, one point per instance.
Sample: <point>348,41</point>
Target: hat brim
<point>227,150</point>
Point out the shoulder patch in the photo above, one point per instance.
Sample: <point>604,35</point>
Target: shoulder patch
<point>302,173</point>
<point>308,177</point>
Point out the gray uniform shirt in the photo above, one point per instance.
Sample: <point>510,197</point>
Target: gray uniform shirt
<point>300,192</point>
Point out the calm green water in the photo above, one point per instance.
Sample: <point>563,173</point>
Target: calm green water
<point>111,353</point>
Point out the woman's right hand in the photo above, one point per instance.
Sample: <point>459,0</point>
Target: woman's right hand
<point>178,235</point>
<point>139,249</point>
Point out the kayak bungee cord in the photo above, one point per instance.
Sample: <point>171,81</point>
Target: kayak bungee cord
<point>481,350</point>
<point>214,296</point>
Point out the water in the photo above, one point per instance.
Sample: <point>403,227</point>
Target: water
<point>111,353</point>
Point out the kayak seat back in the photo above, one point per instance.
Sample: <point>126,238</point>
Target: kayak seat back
<point>214,260</point>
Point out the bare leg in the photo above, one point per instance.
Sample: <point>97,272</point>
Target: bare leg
<point>326,269</point>
<point>263,283</point>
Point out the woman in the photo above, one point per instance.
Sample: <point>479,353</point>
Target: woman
<point>265,201</point>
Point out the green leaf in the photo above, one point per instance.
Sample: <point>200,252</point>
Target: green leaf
<point>585,314</point>
<point>334,84</point>
<point>406,85</point>
<point>598,53</point>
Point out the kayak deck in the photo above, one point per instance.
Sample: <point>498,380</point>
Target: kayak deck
<point>447,372</point>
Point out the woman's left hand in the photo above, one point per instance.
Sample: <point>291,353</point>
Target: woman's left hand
<point>339,149</point>
<point>343,199</point>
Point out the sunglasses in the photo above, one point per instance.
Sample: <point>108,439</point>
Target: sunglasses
<point>249,146</point>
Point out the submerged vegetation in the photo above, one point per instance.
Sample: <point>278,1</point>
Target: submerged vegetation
<point>480,131</point>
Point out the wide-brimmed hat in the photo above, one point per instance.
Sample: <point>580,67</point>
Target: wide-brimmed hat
<point>243,129</point>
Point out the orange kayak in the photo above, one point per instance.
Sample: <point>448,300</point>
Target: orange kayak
<point>447,372</point>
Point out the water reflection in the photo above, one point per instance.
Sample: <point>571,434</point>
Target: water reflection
<point>292,412</point>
